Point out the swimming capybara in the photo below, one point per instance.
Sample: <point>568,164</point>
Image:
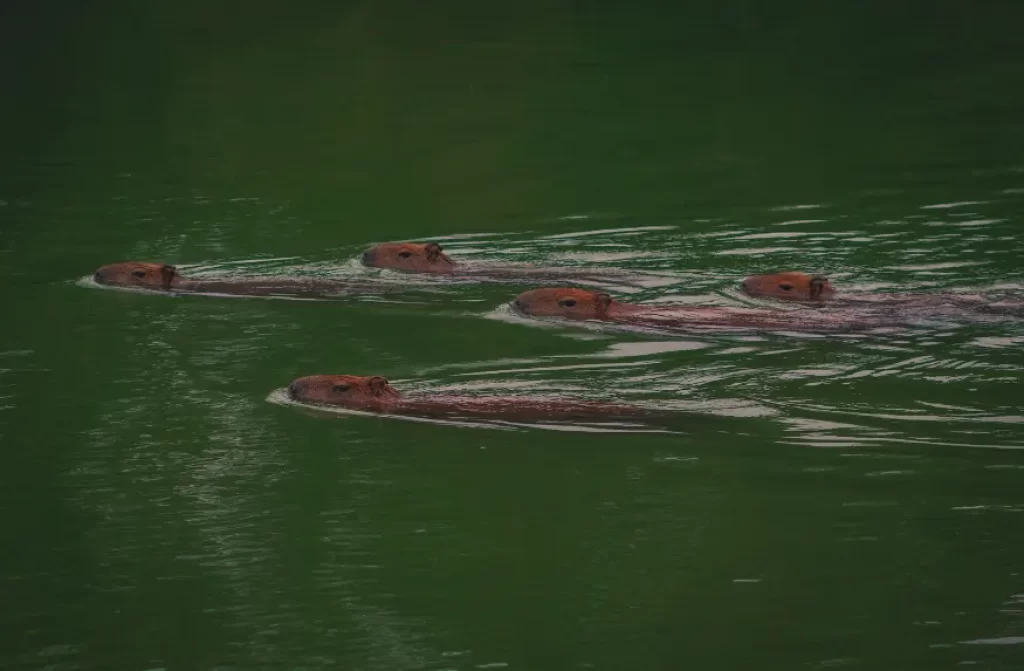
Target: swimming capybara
<point>430,259</point>
<point>375,394</point>
<point>164,277</point>
<point>582,304</point>
<point>818,290</point>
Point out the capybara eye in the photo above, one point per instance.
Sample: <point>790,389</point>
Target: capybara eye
<point>405,254</point>
<point>785,287</point>
<point>341,387</point>
<point>139,273</point>
<point>567,302</point>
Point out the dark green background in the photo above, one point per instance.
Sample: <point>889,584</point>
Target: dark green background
<point>844,503</point>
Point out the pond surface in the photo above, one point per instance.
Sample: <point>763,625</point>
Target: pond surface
<point>849,501</point>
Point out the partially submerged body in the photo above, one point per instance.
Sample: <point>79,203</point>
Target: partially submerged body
<point>581,304</point>
<point>430,259</point>
<point>817,290</point>
<point>375,394</point>
<point>164,277</point>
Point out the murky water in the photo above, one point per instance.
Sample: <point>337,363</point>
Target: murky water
<point>845,500</point>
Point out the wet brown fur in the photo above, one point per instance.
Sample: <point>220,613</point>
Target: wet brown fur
<point>375,394</point>
<point>164,277</point>
<point>581,304</point>
<point>352,391</point>
<point>817,290</point>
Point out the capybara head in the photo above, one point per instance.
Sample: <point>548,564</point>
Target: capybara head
<point>790,286</point>
<point>411,257</point>
<point>138,274</point>
<point>570,303</point>
<point>348,390</point>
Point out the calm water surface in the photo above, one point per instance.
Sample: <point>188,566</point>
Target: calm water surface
<point>850,501</point>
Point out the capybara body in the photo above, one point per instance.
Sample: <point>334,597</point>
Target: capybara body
<point>582,304</point>
<point>375,394</point>
<point>818,290</point>
<point>165,277</point>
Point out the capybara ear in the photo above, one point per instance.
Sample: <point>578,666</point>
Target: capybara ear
<point>378,385</point>
<point>817,286</point>
<point>602,301</point>
<point>433,251</point>
<point>167,273</point>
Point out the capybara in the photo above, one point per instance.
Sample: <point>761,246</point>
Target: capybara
<point>375,394</point>
<point>582,304</point>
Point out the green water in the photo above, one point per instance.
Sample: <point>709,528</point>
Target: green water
<point>840,502</point>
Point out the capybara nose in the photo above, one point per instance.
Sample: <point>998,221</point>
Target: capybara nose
<point>295,389</point>
<point>745,285</point>
<point>368,257</point>
<point>100,277</point>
